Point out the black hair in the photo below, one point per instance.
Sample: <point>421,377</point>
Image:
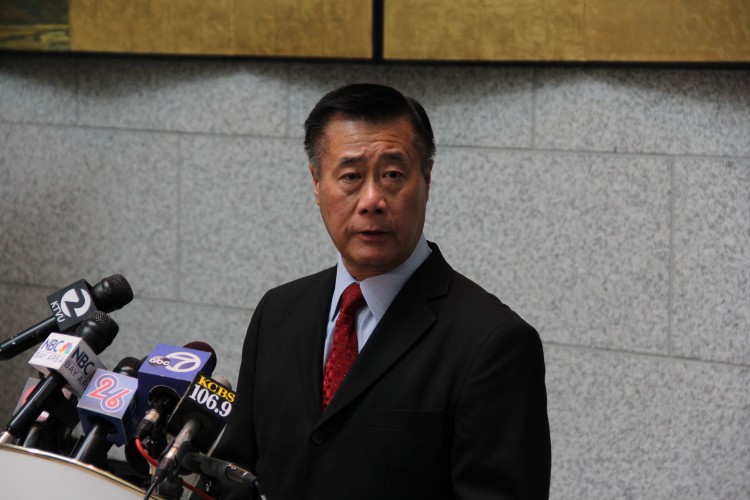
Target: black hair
<point>371,103</point>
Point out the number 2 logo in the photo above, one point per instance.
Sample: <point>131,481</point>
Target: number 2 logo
<point>111,399</point>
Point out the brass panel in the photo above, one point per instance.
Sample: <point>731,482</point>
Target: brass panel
<point>151,26</point>
<point>34,24</point>
<point>470,30</point>
<point>484,30</point>
<point>304,28</point>
<point>341,28</point>
<point>674,30</point>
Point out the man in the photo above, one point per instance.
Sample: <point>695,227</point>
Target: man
<point>390,375</point>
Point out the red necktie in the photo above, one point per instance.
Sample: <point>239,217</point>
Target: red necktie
<point>344,347</point>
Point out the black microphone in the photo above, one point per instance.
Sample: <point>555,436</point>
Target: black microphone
<point>106,412</point>
<point>52,429</point>
<point>110,294</point>
<point>69,360</point>
<point>219,469</point>
<point>200,417</point>
<point>161,382</point>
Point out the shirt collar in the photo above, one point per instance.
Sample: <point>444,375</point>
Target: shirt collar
<point>379,291</point>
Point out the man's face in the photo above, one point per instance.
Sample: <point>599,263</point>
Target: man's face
<point>372,193</point>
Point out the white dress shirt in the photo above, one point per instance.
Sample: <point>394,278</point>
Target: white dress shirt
<point>379,291</point>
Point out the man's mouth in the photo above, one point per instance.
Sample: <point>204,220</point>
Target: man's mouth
<point>372,233</point>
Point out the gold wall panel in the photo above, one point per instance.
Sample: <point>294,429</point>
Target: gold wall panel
<point>674,30</point>
<point>413,30</point>
<point>484,30</point>
<point>304,28</point>
<point>151,26</point>
<point>313,28</point>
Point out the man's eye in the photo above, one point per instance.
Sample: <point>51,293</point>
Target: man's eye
<point>350,177</point>
<point>393,174</point>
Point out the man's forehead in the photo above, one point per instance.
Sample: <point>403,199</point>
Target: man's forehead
<point>346,129</point>
<point>351,139</point>
<point>397,121</point>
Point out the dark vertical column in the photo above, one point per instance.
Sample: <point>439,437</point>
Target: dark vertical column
<point>377,30</point>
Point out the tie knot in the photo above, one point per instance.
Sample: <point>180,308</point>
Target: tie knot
<point>352,299</point>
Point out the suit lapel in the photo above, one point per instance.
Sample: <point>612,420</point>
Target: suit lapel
<point>408,318</point>
<point>311,338</point>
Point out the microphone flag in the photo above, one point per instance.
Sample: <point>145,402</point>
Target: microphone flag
<point>71,357</point>
<point>110,396</point>
<point>207,401</point>
<point>170,367</point>
<point>72,304</point>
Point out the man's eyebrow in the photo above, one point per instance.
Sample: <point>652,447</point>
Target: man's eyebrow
<point>399,157</point>
<point>348,161</point>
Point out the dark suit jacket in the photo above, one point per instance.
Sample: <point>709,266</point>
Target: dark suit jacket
<point>446,400</point>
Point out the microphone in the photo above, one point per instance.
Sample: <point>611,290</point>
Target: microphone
<point>221,470</point>
<point>106,411</point>
<point>165,377</point>
<point>65,359</point>
<point>51,430</point>
<point>71,306</point>
<point>200,417</point>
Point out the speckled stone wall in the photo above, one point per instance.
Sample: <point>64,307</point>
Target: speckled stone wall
<point>610,206</point>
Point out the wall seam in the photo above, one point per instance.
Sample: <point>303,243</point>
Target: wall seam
<point>619,154</point>
<point>288,101</point>
<point>178,222</point>
<point>77,93</point>
<point>534,88</point>
<point>192,133</point>
<point>645,355</point>
<point>112,128</point>
<point>46,289</point>
<point>671,267</point>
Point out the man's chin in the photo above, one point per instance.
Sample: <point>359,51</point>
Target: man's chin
<point>370,264</point>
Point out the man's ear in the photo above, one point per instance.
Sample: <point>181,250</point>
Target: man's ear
<point>428,177</point>
<point>315,182</point>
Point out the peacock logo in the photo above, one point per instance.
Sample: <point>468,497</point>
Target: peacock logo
<point>65,348</point>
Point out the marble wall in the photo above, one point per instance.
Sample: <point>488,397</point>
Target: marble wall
<point>609,206</point>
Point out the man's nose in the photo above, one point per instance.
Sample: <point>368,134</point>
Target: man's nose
<point>371,198</point>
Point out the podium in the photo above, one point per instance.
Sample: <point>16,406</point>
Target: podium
<point>39,475</point>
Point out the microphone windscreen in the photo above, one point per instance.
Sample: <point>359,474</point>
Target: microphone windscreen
<point>223,381</point>
<point>202,346</point>
<point>128,366</point>
<point>112,293</point>
<point>98,330</point>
